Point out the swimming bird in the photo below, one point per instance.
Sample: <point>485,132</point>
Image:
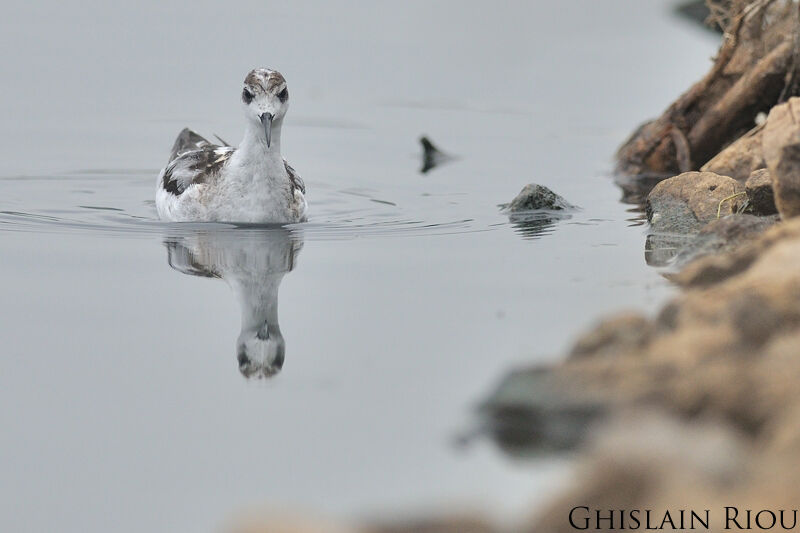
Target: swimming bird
<point>252,183</point>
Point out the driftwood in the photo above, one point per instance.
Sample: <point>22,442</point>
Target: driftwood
<point>757,67</point>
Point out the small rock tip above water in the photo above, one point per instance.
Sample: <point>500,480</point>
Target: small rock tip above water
<point>536,209</point>
<point>431,155</point>
<point>535,197</point>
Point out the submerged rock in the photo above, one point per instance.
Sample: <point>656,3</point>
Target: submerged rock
<point>527,413</point>
<point>534,197</point>
<point>627,329</point>
<point>536,209</point>
<point>660,249</point>
<point>685,203</point>
<point>274,521</point>
<point>741,158</point>
<point>268,521</point>
<point>712,353</point>
<point>660,466</point>
<point>760,195</point>
<point>782,153</point>
<point>459,523</point>
<point>705,402</point>
<point>723,235</point>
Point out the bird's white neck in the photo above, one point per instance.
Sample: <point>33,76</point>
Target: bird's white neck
<point>258,300</point>
<point>253,148</point>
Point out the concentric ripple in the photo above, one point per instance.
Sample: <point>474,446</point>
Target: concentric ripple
<point>119,202</point>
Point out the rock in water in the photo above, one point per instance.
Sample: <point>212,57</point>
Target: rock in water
<point>535,197</point>
<point>685,203</point>
<point>629,330</point>
<point>527,413</point>
<point>782,153</point>
<point>431,155</point>
<point>724,235</point>
<point>536,209</point>
<point>760,194</point>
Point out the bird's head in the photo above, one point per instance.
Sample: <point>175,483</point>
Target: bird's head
<point>265,98</point>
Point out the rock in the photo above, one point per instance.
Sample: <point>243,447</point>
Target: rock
<point>712,353</point>
<point>628,329</point>
<point>722,235</point>
<point>782,153</point>
<point>752,71</point>
<point>431,155</point>
<point>272,521</point>
<point>526,412</point>
<point>717,268</point>
<point>741,158</point>
<point>535,211</point>
<point>534,197</point>
<point>684,203</point>
<point>652,461</point>
<point>445,524</point>
<point>660,249</point>
<point>760,195</point>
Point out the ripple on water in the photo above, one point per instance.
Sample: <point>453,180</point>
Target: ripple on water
<point>121,205</point>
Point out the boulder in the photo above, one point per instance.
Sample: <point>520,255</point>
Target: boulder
<point>457,523</point>
<point>527,412</point>
<point>649,461</point>
<point>722,351</point>
<point>782,153</point>
<point>534,197</point>
<point>535,211</point>
<point>685,203</point>
<point>626,329</point>
<point>274,521</point>
<point>760,196</point>
<point>723,235</point>
<point>741,158</point>
<point>660,249</point>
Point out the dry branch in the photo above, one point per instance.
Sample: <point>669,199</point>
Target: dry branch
<point>757,67</point>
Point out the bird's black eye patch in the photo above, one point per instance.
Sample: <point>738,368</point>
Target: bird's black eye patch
<point>283,95</point>
<point>247,96</point>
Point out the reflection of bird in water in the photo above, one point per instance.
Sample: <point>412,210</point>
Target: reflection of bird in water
<point>253,262</point>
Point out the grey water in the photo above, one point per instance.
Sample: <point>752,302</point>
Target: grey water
<point>386,318</point>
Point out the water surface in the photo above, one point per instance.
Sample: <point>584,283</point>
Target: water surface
<point>381,322</point>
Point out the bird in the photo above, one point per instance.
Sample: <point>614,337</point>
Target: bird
<point>207,182</point>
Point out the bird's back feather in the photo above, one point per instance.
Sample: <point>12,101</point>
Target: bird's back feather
<point>193,159</point>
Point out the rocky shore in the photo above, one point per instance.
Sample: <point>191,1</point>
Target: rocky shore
<point>693,407</point>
